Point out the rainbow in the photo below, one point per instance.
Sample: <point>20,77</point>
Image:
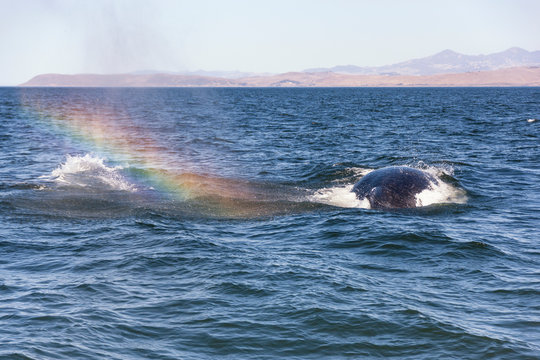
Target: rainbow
<point>121,140</point>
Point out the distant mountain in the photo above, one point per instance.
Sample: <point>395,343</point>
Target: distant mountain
<point>520,76</point>
<point>445,62</point>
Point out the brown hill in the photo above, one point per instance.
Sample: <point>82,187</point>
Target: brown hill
<point>519,76</point>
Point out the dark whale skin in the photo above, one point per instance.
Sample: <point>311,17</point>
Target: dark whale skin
<point>393,187</point>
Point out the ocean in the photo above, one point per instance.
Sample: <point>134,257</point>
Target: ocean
<point>219,223</point>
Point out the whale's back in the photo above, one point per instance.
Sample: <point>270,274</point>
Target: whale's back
<point>393,187</point>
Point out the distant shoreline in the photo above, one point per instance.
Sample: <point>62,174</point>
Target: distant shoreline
<point>275,87</point>
<point>509,77</point>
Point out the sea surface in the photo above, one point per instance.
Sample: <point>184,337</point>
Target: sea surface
<point>220,224</point>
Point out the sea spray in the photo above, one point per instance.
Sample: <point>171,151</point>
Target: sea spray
<point>90,172</point>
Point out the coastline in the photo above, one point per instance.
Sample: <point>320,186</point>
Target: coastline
<point>508,77</point>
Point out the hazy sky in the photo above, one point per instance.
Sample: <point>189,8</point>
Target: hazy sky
<point>111,36</point>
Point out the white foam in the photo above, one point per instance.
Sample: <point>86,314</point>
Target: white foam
<point>90,172</point>
<point>441,193</point>
<point>341,196</point>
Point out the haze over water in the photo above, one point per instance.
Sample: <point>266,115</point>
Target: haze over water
<point>218,223</point>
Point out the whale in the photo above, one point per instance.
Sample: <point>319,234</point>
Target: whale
<point>393,187</point>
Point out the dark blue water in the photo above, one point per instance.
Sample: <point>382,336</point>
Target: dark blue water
<point>100,257</point>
